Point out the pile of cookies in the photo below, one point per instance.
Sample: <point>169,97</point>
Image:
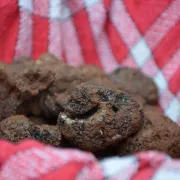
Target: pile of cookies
<point>82,107</point>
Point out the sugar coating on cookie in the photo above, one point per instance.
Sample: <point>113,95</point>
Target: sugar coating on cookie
<point>96,117</point>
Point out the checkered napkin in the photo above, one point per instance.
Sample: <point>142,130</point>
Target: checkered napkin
<point>31,160</point>
<point>108,33</point>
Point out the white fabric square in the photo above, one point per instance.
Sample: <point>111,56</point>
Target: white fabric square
<point>112,166</point>
<point>166,175</point>
<point>59,9</point>
<point>165,97</point>
<point>26,4</point>
<point>141,52</point>
<point>160,81</point>
<point>90,2</point>
<point>173,110</point>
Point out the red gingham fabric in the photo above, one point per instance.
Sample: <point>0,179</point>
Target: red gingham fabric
<point>32,160</point>
<point>107,33</point>
<point>143,34</point>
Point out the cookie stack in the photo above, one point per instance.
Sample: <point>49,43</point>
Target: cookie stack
<point>82,107</point>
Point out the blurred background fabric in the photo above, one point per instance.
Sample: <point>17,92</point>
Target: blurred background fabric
<point>108,33</point>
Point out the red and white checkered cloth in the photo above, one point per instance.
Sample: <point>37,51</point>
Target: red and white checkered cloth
<point>108,33</point>
<point>31,160</point>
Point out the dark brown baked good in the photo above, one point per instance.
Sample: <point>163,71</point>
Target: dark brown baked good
<point>48,57</point>
<point>140,100</point>
<point>96,117</point>
<point>21,59</point>
<point>65,80</point>
<point>90,71</point>
<point>18,127</point>
<point>38,120</point>
<point>46,134</point>
<point>103,81</point>
<point>42,87</point>
<point>135,82</point>
<point>157,133</point>
<point>19,83</point>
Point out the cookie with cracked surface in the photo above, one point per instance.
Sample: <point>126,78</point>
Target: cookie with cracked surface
<point>135,82</point>
<point>19,83</point>
<point>157,133</point>
<point>65,80</point>
<point>19,127</point>
<point>96,117</point>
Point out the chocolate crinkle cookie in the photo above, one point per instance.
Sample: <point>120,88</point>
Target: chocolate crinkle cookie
<point>19,84</point>
<point>65,80</point>
<point>135,82</point>
<point>157,133</point>
<point>18,127</point>
<point>42,87</point>
<point>96,117</point>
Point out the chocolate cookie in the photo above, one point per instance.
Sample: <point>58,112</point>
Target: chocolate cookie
<point>18,127</point>
<point>135,82</point>
<point>38,120</point>
<point>36,88</point>
<point>65,80</point>
<point>96,117</point>
<point>49,102</point>
<point>140,100</point>
<point>19,83</point>
<point>157,133</point>
<point>90,71</point>
<point>103,81</point>
<point>48,57</point>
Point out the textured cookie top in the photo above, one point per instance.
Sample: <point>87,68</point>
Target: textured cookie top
<point>19,127</point>
<point>135,82</point>
<point>96,117</point>
<point>157,133</point>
